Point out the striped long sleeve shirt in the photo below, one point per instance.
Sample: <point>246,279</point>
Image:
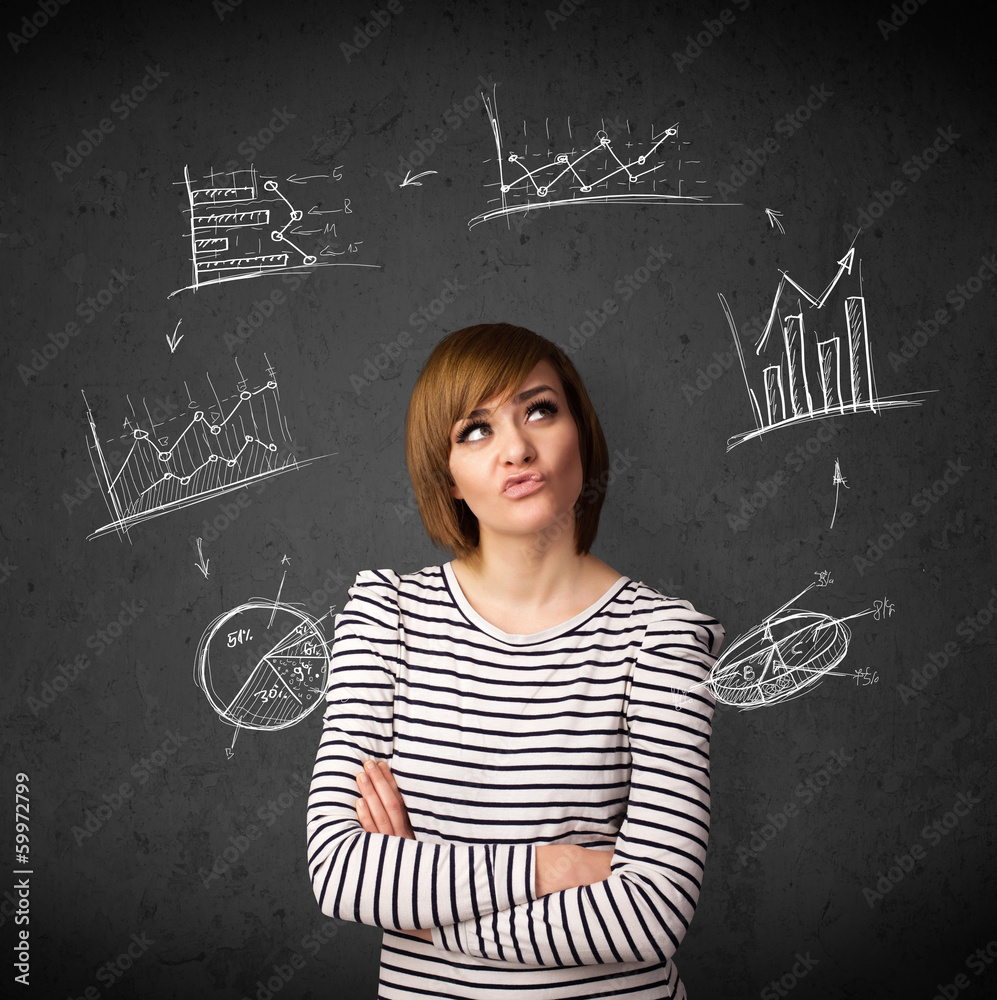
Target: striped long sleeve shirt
<point>594,732</point>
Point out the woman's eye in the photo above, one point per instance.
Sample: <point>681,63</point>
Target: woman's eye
<point>547,408</point>
<point>465,434</point>
<point>545,405</point>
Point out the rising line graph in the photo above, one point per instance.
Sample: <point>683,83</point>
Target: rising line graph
<point>204,451</point>
<point>614,165</point>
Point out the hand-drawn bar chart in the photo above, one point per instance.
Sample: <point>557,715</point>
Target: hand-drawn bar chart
<point>812,371</point>
<point>243,225</point>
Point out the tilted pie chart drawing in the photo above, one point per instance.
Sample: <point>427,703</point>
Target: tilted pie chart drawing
<point>264,665</point>
<point>780,659</point>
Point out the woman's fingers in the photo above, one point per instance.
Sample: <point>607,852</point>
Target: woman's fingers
<point>391,799</point>
<point>363,815</point>
<point>382,766</point>
<point>379,818</point>
<point>383,800</point>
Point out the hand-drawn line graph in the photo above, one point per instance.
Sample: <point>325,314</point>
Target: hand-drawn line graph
<point>241,227</point>
<point>209,451</point>
<point>808,381</point>
<point>785,656</point>
<point>263,665</point>
<point>613,165</point>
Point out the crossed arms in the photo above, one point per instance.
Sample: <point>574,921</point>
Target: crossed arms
<point>525,903</point>
<point>381,809</point>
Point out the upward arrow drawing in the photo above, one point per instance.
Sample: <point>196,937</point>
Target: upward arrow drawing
<point>844,266</point>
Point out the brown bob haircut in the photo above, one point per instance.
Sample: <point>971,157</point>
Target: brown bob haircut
<point>467,367</point>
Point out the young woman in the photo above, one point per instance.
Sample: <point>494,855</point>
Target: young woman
<point>513,776</point>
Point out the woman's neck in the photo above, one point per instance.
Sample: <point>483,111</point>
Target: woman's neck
<point>533,576</point>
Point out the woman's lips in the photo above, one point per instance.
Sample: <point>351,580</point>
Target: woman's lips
<point>524,488</point>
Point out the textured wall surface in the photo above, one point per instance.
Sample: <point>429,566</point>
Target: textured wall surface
<point>852,845</point>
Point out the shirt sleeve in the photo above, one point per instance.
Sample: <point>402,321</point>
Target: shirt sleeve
<point>643,910</point>
<point>373,878</point>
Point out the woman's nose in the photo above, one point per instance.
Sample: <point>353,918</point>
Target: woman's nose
<point>517,448</point>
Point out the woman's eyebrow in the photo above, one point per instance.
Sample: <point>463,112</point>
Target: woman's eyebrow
<point>521,398</point>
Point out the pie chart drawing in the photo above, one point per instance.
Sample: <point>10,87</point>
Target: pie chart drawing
<point>264,665</point>
<point>782,658</point>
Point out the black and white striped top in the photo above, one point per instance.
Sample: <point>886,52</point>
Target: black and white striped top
<point>591,732</point>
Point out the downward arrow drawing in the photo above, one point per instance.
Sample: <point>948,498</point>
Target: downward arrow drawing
<point>202,563</point>
<point>173,342</point>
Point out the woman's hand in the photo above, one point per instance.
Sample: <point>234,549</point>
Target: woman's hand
<point>381,810</point>
<point>565,866</point>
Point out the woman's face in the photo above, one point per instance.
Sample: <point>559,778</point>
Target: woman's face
<point>531,439</point>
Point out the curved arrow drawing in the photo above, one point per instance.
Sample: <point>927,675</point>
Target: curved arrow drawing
<point>414,181</point>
